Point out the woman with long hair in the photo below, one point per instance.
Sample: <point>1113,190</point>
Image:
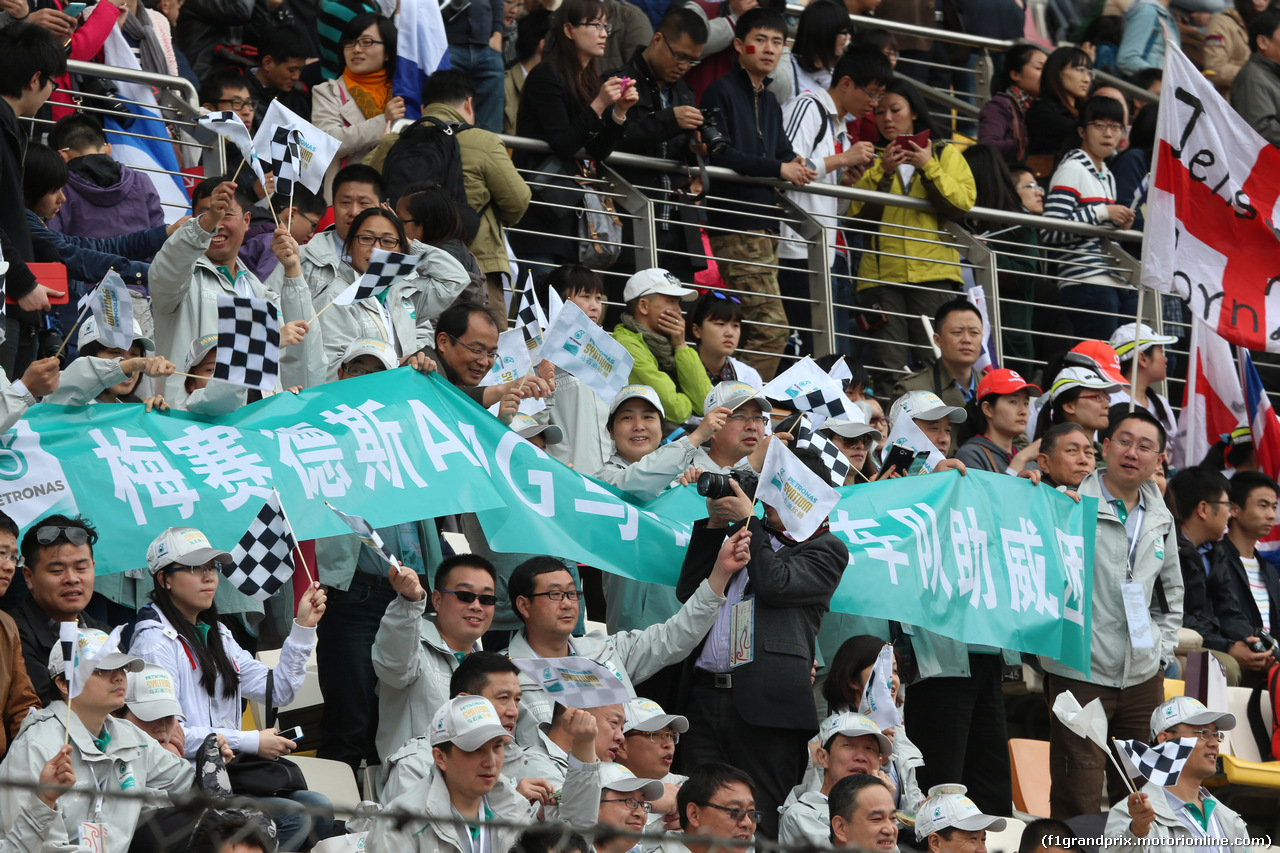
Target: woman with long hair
<point>1052,118</point>
<point>212,674</point>
<point>905,269</point>
<point>357,108</point>
<point>430,216</point>
<point>1002,122</point>
<point>566,105</point>
<point>822,34</point>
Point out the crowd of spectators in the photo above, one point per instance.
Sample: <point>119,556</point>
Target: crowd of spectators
<point>415,662</point>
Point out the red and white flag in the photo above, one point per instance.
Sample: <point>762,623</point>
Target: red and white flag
<point>1211,234</point>
<point>1213,405</point>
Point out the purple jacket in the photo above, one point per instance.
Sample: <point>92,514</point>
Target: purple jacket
<point>106,199</point>
<point>1002,125</point>
<point>255,252</point>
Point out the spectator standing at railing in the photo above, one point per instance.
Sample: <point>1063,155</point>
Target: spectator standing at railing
<point>917,273</point>
<point>474,31</point>
<point>530,41</point>
<point>815,123</point>
<point>1052,117</point>
<point>745,243</point>
<point>822,35</point>
<point>1226,42</point>
<point>1084,190</point>
<point>719,57</point>
<point>1002,121</point>
<point>1255,94</point>
<point>663,124</point>
<point>1147,23</point>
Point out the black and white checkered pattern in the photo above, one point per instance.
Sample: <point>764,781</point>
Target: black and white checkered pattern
<point>528,315</point>
<point>1160,764</point>
<point>230,126</point>
<point>248,342</point>
<point>262,560</point>
<point>820,403</point>
<point>385,269</point>
<point>286,160</point>
<point>837,463</point>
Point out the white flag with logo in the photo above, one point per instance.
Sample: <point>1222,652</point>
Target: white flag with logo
<point>906,433</point>
<point>316,149</point>
<point>1211,236</point>
<point>808,388</point>
<point>577,682</point>
<point>513,359</point>
<point>801,498</point>
<point>587,351</point>
<point>229,125</point>
<point>877,696</point>
<point>112,308</point>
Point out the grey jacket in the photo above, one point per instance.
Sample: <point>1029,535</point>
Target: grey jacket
<point>84,379</point>
<point>1168,829</point>
<point>582,414</point>
<point>1255,94</point>
<point>1114,661</point>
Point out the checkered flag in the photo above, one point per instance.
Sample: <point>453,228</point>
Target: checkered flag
<point>1160,764</point>
<point>230,126</point>
<point>248,342</point>
<point>385,269</point>
<point>529,316</point>
<point>808,388</point>
<point>364,532</point>
<point>286,159</point>
<point>262,560</point>
<point>837,463</point>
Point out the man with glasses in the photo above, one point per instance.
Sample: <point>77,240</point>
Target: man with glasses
<point>648,750</point>
<point>546,599</point>
<point>718,801</point>
<point>415,655</point>
<point>17,696</point>
<point>1183,814</point>
<point>219,92</point>
<point>663,123</point>
<point>57,553</point>
<point>466,345</point>
<point>1137,610</point>
<point>626,801</point>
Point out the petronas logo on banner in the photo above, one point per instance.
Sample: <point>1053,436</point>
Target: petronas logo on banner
<point>32,483</point>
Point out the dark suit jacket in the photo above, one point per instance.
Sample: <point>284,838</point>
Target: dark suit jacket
<point>38,633</point>
<point>1208,608</point>
<point>792,589</point>
<point>1227,569</point>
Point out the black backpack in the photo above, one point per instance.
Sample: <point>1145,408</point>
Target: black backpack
<point>427,151</point>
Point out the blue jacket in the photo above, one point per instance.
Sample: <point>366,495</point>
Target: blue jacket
<point>1143,43</point>
<point>90,258</point>
<point>757,147</point>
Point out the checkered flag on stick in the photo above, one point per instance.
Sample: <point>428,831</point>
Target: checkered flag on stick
<point>230,126</point>
<point>529,316</point>
<point>364,532</point>
<point>837,463</point>
<point>385,269</point>
<point>286,159</point>
<point>262,560</point>
<point>1160,764</point>
<point>248,342</point>
<point>808,388</point>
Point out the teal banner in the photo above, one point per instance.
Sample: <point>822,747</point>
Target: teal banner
<point>984,558</point>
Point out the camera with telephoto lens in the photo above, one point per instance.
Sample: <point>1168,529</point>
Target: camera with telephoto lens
<point>716,486</point>
<point>712,135</point>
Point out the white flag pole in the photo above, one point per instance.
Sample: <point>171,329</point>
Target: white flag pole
<point>297,546</point>
<point>1190,437</point>
<point>1123,775</point>
<point>1133,367</point>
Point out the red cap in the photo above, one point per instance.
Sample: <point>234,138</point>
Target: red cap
<point>1101,357</point>
<point>1005,381</point>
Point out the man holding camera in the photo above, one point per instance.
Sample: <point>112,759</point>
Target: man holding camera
<point>752,673</point>
<point>664,123</point>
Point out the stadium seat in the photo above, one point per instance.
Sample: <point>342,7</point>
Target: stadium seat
<point>1174,687</point>
<point>308,696</point>
<point>1006,840</point>
<point>1242,764</point>
<point>1029,760</point>
<point>334,779</point>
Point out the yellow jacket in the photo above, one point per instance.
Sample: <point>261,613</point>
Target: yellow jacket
<point>912,252</point>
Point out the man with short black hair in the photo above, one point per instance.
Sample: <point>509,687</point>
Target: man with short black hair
<point>863,815</point>
<point>957,332</point>
<point>1255,93</point>
<point>57,553</point>
<point>223,91</point>
<point>718,801</point>
<point>466,343</point>
<point>1066,455</point>
<point>1135,560</point>
<point>282,54</point>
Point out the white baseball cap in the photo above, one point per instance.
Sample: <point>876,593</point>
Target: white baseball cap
<point>646,715</point>
<point>1184,709</point>
<point>855,423</point>
<point>947,806</point>
<point>381,350</point>
<point>185,546</point>
<point>91,640</point>
<point>628,392</point>
<point>655,280</point>
<point>1122,339</point>
<point>1080,377</point>
<point>734,395</point>
<point>199,349</point>
<point>151,694</point>
<point>89,335</point>
<point>526,426</point>
<point>924,406</point>
<point>616,777</point>
<point>469,722</point>
<point>853,724</point>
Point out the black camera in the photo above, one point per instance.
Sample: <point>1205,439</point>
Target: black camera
<point>712,134</point>
<point>716,486</point>
<point>1265,643</point>
<point>49,342</point>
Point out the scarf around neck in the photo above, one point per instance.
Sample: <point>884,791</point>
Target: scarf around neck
<point>370,91</point>
<point>659,345</point>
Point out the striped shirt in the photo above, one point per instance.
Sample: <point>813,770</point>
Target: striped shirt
<point>1078,192</point>
<point>1258,589</point>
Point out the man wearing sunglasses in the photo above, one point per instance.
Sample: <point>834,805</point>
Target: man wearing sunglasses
<point>415,655</point>
<point>57,553</point>
<point>1183,814</point>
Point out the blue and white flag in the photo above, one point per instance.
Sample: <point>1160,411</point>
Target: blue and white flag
<point>316,149</point>
<point>112,308</point>
<point>877,696</point>
<point>421,51</point>
<point>155,157</point>
<point>588,352</point>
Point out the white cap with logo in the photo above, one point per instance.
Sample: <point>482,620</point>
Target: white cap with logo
<point>628,392</point>
<point>616,777</point>
<point>469,722</point>
<point>1184,709</point>
<point>1122,339</point>
<point>89,335</point>
<point>947,807</point>
<point>199,349</point>
<point>655,280</point>
<point>151,694</point>
<point>185,546</point>
<point>92,640</point>
<point>924,406</point>
<point>733,395</point>
<point>1080,377</point>
<point>527,426</point>
<point>852,724</point>
<point>381,350</point>
<point>646,715</point>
